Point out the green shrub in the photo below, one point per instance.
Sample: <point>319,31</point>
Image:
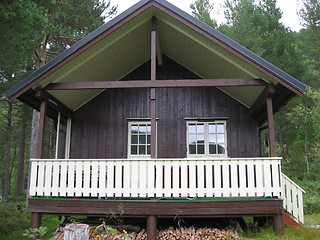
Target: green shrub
<point>312,197</point>
<point>14,219</point>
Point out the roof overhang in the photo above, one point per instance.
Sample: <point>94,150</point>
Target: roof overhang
<point>123,44</point>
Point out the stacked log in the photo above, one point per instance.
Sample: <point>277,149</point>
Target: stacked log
<point>190,233</point>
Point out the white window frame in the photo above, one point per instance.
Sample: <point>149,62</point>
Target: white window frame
<point>206,139</point>
<point>129,139</point>
<point>67,140</point>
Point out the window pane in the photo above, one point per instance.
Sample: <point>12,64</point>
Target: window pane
<point>212,128</point>
<point>148,139</point>
<point>192,149</point>
<point>212,149</point>
<point>134,129</point>
<point>142,139</point>
<point>134,150</point>
<point>212,138</point>
<point>148,129</point>
<point>200,149</point>
<point>200,138</point>
<point>192,128</point>
<point>200,128</point>
<point>220,138</point>
<point>221,149</point>
<point>192,139</point>
<point>220,128</point>
<point>148,149</point>
<point>134,139</point>
<point>142,129</point>
<point>142,150</point>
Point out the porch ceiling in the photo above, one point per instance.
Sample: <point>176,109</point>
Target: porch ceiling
<point>129,47</point>
<point>126,45</point>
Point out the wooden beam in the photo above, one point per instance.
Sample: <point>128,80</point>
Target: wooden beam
<point>170,208</point>
<point>51,99</point>
<point>41,128</point>
<point>153,49</point>
<point>244,82</point>
<point>272,137</point>
<point>153,109</point>
<point>153,105</point>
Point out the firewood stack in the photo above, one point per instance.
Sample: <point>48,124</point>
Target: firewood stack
<point>190,233</point>
<point>171,233</point>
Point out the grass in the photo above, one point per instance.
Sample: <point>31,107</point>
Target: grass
<point>312,219</point>
<point>289,234</point>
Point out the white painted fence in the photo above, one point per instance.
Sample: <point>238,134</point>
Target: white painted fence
<point>292,198</point>
<point>214,177</point>
<point>222,177</point>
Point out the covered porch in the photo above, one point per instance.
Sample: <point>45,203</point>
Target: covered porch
<point>168,179</point>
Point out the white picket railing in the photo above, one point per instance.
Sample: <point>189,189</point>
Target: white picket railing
<point>292,198</point>
<point>221,177</point>
<point>214,177</point>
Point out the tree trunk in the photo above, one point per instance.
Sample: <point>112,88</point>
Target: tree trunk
<point>34,134</point>
<point>22,145</point>
<point>76,231</point>
<point>8,152</point>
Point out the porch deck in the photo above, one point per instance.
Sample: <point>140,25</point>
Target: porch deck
<point>218,187</point>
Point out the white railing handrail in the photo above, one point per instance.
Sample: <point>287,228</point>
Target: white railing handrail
<point>155,159</point>
<point>293,183</point>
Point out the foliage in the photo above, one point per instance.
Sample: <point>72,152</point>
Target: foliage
<point>256,25</point>
<point>35,232</point>
<point>20,34</point>
<point>105,229</point>
<point>201,9</point>
<point>13,218</point>
<point>311,200</point>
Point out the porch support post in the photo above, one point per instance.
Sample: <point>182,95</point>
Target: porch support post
<point>278,224</point>
<point>153,109</point>
<point>41,128</point>
<point>35,221</point>
<point>272,138</point>
<point>152,228</point>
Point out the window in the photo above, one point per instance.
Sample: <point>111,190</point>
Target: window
<point>139,139</point>
<point>207,138</point>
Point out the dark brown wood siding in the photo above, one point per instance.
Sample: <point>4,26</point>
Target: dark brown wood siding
<point>100,127</point>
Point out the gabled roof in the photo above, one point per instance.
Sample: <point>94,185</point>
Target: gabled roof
<point>123,44</point>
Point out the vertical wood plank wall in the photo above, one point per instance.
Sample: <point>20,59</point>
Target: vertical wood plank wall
<point>100,127</point>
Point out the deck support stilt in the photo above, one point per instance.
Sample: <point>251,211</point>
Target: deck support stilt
<point>278,224</point>
<point>35,222</point>
<point>152,228</point>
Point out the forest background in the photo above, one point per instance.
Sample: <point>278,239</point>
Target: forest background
<point>32,32</point>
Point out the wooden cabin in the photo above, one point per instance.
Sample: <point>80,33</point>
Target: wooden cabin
<point>159,115</point>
